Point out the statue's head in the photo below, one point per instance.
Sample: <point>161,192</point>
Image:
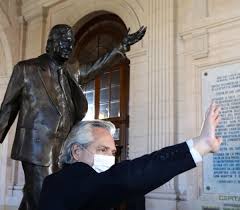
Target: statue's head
<point>60,42</point>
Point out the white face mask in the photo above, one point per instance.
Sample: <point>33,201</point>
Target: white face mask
<point>103,162</point>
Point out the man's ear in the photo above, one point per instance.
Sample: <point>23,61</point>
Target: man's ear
<point>76,152</point>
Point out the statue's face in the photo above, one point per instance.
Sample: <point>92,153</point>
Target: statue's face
<point>63,45</point>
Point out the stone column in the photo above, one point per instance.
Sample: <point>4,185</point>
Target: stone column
<point>161,125</point>
<point>36,30</point>
<point>3,151</point>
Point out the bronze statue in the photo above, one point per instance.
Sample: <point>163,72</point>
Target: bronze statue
<point>49,100</point>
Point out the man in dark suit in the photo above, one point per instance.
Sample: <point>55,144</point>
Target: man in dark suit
<point>46,94</point>
<point>89,179</point>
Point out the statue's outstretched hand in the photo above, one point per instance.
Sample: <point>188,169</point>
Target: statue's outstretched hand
<point>131,39</point>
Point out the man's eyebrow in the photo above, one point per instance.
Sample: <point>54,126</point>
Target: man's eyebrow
<point>103,146</point>
<point>106,147</point>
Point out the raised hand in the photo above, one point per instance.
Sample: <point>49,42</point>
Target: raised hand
<point>131,39</point>
<point>207,141</point>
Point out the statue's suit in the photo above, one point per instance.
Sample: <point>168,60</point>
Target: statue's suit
<point>31,94</point>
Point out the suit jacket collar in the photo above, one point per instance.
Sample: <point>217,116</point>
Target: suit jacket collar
<point>79,99</point>
<point>43,61</point>
<point>47,80</point>
<point>79,169</point>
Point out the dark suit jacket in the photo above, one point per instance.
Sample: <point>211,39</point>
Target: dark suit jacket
<point>31,93</point>
<point>79,187</point>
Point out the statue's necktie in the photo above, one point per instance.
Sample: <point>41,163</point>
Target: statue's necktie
<point>61,79</point>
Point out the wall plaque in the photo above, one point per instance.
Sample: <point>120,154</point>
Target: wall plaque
<point>222,170</point>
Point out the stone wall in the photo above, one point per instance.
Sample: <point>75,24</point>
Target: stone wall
<point>207,37</point>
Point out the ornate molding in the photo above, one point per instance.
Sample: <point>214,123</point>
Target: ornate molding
<point>200,44</point>
<point>215,63</point>
<point>209,23</point>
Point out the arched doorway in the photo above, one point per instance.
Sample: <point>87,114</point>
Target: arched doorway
<point>107,95</point>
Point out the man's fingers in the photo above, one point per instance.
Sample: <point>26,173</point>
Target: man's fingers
<point>217,121</point>
<point>213,111</point>
<point>217,108</point>
<point>217,112</point>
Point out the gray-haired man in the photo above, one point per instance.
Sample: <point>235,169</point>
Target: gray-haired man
<point>90,180</point>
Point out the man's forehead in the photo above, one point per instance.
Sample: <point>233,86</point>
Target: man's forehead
<point>102,134</point>
<point>100,131</point>
<point>103,138</point>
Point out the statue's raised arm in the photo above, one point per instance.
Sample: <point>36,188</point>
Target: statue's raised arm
<point>133,38</point>
<point>90,71</point>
